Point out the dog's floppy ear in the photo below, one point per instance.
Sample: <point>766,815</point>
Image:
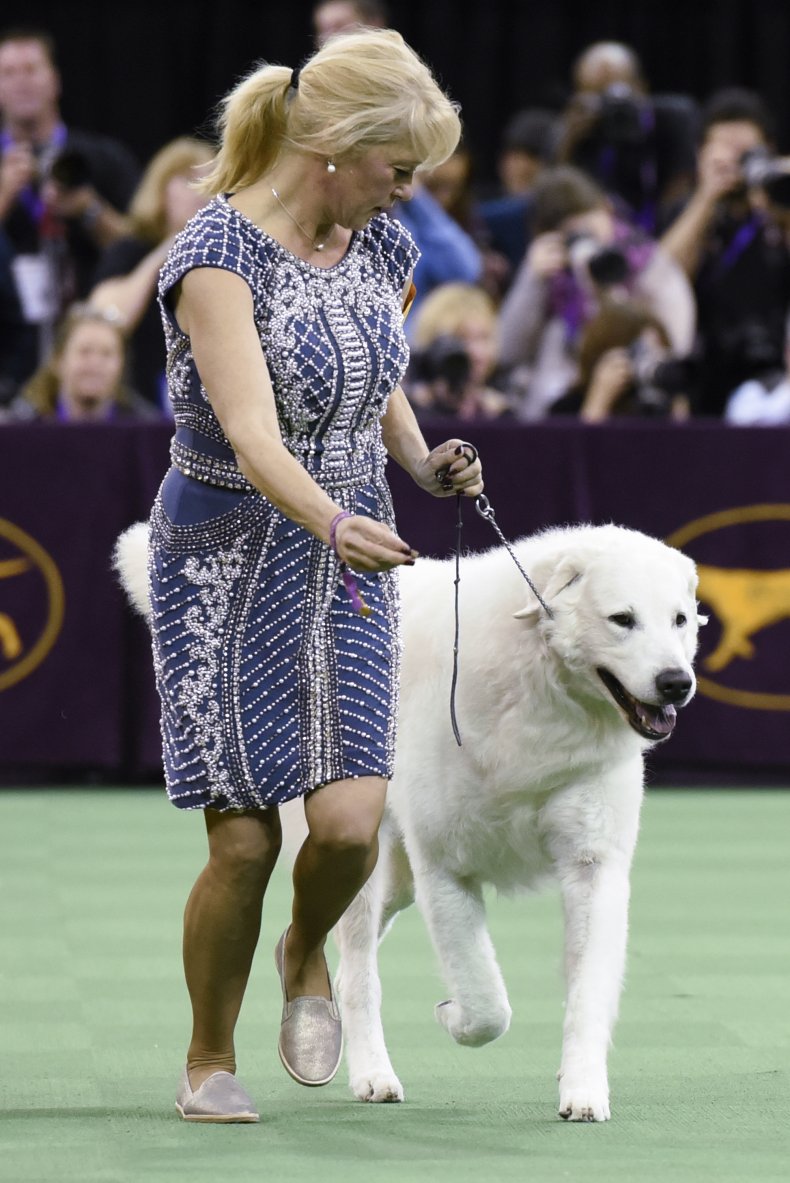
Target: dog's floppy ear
<point>564,575</point>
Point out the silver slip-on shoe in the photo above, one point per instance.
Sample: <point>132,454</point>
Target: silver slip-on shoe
<point>311,1036</point>
<point>219,1098</point>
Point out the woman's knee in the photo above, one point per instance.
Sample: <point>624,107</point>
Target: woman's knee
<point>350,839</point>
<point>344,819</point>
<point>244,846</point>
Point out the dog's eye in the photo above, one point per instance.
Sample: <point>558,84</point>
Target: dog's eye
<point>680,620</point>
<point>623,619</point>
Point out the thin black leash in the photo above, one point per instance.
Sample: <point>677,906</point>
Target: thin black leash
<point>486,511</point>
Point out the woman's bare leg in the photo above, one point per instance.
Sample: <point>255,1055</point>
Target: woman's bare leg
<point>221,927</point>
<point>334,863</point>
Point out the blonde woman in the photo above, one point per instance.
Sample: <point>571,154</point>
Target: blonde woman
<point>272,549</point>
<point>456,340</point>
<point>127,274</point>
<point>82,380</point>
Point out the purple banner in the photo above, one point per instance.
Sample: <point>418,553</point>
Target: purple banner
<point>76,684</point>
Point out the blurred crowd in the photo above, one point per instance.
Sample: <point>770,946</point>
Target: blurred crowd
<point>631,256</point>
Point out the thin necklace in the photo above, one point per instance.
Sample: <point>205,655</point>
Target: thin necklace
<point>317,246</point>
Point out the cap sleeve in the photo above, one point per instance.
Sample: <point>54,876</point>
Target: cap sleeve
<point>210,239</point>
<point>397,251</point>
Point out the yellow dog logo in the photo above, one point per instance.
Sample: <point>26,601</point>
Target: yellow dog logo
<point>745,602</point>
<point>28,575</point>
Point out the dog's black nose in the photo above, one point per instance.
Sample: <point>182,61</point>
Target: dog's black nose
<point>673,685</point>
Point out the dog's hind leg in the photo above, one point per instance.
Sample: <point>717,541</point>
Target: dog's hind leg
<point>365,922</point>
<point>454,911</point>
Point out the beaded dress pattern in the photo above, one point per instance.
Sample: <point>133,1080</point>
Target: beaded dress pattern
<point>270,683</point>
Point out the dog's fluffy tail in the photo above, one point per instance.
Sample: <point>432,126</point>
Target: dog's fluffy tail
<point>130,561</point>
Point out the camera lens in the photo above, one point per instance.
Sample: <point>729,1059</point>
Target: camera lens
<point>71,170</point>
<point>608,266</point>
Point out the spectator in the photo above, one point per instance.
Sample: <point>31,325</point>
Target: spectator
<point>82,379</point>
<point>129,269</point>
<point>456,355</point>
<point>62,191</point>
<point>527,146</point>
<point>581,254</point>
<point>451,184</point>
<point>760,403</point>
<point>14,367</point>
<point>640,148</point>
<point>625,368</point>
<point>729,241</point>
<point>448,253</point>
<point>338,16</point>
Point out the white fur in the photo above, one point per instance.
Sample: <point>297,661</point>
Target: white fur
<point>547,785</point>
<point>130,561</point>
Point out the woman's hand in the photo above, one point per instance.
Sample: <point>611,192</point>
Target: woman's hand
<point>547,255</point>
<point>451,468</point>
<point>611,377</point>
<point>368,545</point>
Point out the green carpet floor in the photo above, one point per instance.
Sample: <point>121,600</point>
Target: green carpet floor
<point>93,1017</point>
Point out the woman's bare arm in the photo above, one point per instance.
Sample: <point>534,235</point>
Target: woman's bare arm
<point>215,309</point>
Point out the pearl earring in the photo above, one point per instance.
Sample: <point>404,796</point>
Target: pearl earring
<point>331,167</point>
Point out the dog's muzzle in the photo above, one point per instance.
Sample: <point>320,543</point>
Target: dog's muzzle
<point>654,721</point>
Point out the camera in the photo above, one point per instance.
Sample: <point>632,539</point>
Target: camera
<point>620,114</point>
<point>761,169</point>
<point>444,364</point>
<point>606,265</point>
<point>658,379</point>
<point>70,169</point>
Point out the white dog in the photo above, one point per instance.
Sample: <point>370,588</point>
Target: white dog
<point>555,713</point>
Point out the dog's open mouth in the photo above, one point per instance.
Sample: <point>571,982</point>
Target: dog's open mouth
<point>648,720</point>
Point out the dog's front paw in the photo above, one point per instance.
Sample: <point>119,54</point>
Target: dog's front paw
<point>377,1087</point>
<point>584,1099</point>
<point>472,1030</point>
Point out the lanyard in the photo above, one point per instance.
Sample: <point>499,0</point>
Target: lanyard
<point>645,216</point>
<point>29,197</point>
<point>745,235</point>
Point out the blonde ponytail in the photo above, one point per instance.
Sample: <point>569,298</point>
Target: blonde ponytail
<point>252,126</point>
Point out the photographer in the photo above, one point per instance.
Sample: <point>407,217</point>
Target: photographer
<point>61,190</point>
<point>730,240</point>
<point>455,356</point>
<point>626,368</point>
<point>581,255</point>
<point>638,147</point>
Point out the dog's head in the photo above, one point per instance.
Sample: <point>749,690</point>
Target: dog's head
<point>624,624</point>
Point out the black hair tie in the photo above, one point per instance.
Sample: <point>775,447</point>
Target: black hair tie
<point>295,77</point>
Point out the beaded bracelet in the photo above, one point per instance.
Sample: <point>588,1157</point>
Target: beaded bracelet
<point>349,582</point>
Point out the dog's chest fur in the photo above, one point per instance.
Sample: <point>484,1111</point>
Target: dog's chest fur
<point>509,834</point>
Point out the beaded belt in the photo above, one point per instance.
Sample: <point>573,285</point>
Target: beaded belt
<point>222,473</point>
<point>226,475</point>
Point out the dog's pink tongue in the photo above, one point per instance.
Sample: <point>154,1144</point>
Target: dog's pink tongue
<point>660,720</point>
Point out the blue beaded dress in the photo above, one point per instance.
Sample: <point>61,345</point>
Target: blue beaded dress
<point>270,683</point>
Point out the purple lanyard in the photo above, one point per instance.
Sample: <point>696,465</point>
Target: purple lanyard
<point>568,301</point>
<point>741,240</point>
<point>30,197</point>
<point>645,216</point>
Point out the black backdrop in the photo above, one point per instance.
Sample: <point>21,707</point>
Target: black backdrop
<point>148,70</point>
